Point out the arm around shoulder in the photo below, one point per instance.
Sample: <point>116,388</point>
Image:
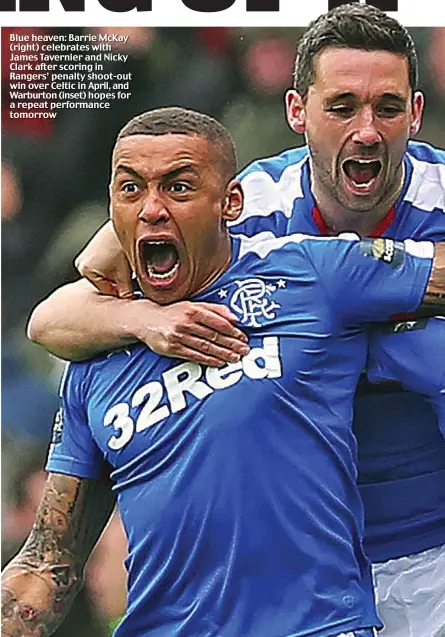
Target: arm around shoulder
<point>76,322</point>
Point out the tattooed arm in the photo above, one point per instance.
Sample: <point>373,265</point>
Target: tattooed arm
<point>40,583</point>
<point>434,298</point>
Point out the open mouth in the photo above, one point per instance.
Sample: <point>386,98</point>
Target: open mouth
<point>362,173</point>
<point>160,259</point>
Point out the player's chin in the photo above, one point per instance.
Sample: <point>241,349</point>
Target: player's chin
<point>358,201</point>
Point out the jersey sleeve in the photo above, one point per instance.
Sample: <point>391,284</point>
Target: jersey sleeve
<point>73,450</point>
<point>411,353</point>
<point>397,352</point>
<point>371,279</point>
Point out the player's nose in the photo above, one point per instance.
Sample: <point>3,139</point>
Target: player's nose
<point>367,128</point>
<point>153,209</point>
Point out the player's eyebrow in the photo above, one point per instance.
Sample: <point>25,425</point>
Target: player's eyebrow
<point>171,174</point>
<point>394,97</point>
<point>339,96</point>
<point>122,168</point>
<point>177,172</point>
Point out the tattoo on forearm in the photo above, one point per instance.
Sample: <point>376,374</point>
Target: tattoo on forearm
<point>43,579</point>
<point>435,293</point>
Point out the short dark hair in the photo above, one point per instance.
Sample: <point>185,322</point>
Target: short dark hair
<point>355,26</point>
<point>182,121</point>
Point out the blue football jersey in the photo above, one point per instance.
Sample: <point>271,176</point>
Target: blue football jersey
<point>237,486</point>
<point>419,364</point>
<point>401,452</point>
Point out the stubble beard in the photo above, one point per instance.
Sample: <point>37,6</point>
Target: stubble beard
<point>337,207</point>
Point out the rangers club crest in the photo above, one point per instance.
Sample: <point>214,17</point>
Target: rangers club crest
<point>252,300</point>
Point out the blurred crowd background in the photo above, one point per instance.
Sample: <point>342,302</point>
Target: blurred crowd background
<point>54,196</point>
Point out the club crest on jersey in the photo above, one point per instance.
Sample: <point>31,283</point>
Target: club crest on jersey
<point>386,250</point>
<point>252,301</point>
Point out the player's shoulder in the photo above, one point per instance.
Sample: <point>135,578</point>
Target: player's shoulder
<point>265,250</point>
<point>426,187</point>
<point>424,152</point>
<point>106,364</point>
<point>272,185</point>
<point>274,166</point>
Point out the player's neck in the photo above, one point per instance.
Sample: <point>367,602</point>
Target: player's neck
<point>340,219</point>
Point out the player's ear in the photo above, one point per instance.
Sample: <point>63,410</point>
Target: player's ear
<point>295,111</point>
<point>418,103</point>
<point>233,201</point>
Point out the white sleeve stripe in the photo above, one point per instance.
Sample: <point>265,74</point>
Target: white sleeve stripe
<point>427,188</point>
<point>421,249</point>
<point>63,379</point>
<point>264,242</point>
